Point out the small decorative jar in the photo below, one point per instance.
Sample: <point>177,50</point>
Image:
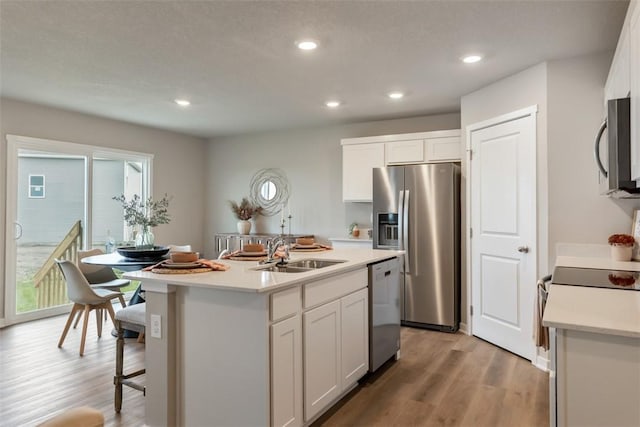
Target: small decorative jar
<point>621,246</point>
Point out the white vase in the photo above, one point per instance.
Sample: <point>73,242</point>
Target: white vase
<point>621,253</point>
<point>244,227</point>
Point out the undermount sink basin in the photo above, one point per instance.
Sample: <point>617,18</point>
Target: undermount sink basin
<point>275,268</point>
<point>314,263</point>
<point>299,266</point>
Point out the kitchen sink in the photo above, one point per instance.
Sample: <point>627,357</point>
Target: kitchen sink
<point>299,266</point>
<point>314,263</point>
<point>282,268</point>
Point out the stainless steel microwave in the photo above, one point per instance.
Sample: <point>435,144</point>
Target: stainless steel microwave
<point>615,178</point>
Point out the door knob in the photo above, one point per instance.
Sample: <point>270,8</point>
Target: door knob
<point>523,249</point>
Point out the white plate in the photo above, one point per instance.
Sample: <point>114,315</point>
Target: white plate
<point>314,246</point>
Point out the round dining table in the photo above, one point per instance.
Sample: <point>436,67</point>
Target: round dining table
<point>115,260</point>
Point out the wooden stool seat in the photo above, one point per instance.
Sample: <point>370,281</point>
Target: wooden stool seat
<point>131,318</point>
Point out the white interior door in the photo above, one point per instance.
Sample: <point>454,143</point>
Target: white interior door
<point>503,242</point>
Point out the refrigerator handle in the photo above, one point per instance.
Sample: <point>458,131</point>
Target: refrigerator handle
<point>405,231</point>
<point>400,219</point>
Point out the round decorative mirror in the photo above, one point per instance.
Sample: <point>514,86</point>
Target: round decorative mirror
<point>270,190</point>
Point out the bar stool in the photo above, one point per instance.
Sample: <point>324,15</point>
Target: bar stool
<point>131,318</point>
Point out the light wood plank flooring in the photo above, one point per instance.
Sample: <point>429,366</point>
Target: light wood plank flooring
<point>441,380</point>
<point>39,379</point>
<point>447,380</point>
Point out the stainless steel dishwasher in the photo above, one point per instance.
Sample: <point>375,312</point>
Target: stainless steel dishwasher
<point>384,312</point>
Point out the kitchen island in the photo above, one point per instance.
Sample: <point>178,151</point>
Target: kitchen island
<point>247,347</point>
<point>596,352</point>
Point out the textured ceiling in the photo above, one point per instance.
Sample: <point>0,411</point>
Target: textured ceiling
<point>237,63</point>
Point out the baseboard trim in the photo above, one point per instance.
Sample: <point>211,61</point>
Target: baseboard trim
<point>464,328</point>
<point>541,363</point>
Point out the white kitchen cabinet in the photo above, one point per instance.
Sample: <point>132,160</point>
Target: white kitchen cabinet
<point>404,152</point>
<point>618,80</point>
<point>624,78</point>
<point>634,59</point>
<point>329,332</point>
<point>598,379</point>
<point>443,148</point>
<point>322,351</point>
<point>355,337</point>
<point>286,373</point>
<point>361,155</point>
<point>336,338</point>
<point>358,160</point>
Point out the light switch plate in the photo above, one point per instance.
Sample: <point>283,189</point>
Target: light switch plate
<point>156,326</point>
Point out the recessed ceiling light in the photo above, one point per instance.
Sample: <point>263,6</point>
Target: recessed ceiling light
<point>307,44</point>
<point>470,59</point>
<point>182,102</point>
<point>395,95</point>
<point>332,104</point>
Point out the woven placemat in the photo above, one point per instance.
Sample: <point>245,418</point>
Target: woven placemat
<point>161,270</point>
<point>308,250</point>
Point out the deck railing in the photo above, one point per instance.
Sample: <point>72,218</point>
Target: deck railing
<point>51,288</point>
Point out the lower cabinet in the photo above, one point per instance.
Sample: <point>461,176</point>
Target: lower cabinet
<point>597,379</point>
<point>286,373</point>
<point>336,349</point>
<point>355,337</point>
<point>319,349</point>
<point>322,369</point>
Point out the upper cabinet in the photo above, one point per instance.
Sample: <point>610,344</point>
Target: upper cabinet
<point>624,78</point>
<point>634,49</point>
<point>357,162</point>
<point>618,81</point>
<point>403,152</point>
<point>361,155</point>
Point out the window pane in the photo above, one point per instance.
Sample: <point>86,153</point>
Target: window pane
<point>50,227</point>
<point>111,178</point>
<point>36,180</point>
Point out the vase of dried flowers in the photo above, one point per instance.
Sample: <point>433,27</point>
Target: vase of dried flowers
<point>244,211</point>
<point>621,246</point>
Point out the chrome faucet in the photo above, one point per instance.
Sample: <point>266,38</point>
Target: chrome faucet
<point>272,247</point>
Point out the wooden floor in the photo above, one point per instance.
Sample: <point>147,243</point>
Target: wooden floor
<point>441,380</point>
<point>39,379</point>
<point>447,380</point>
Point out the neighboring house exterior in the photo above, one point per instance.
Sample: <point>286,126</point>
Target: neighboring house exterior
<point>51,197</point>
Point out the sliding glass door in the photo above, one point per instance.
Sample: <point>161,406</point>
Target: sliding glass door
<point>59,201</point>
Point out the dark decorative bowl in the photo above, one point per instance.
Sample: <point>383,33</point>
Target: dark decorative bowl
<point>147,254</point>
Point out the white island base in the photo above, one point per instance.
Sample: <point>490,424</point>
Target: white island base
<point>234,346</point>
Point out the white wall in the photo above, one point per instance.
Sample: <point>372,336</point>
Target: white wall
<point>569,94</point>
<point>521,90</point>
<point>577,213</point>
<point>312,160</point>
<point>178,167</point>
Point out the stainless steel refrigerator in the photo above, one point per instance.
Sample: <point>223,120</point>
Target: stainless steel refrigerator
<point>417,208</point>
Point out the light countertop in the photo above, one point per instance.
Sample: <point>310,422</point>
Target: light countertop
<point>351,239</point>
<point>598,310</point>
<point>242,277</point>
<point>600,263</point>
